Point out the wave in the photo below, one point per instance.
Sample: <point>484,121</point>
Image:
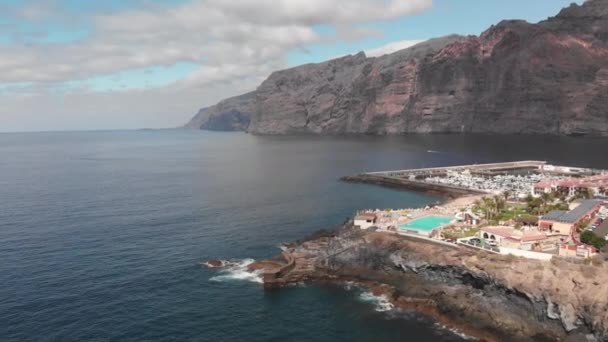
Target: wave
<point>432,151</point>
<point>349,285</point>
<point>456,332</point>
<point>381,303</point>
<point>238,272</point>
<point>220,263</point>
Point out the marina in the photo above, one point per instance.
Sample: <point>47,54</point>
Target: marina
<point>524,208</point>
<point>518,178</point>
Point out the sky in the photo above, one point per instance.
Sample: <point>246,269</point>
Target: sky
<point>129,64</point>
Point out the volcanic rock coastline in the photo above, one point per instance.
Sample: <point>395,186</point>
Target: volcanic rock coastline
<point>516,77</point>
<point>490,296</point>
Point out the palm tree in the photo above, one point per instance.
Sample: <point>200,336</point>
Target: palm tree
<point>490,206</point>
<point>545,198</point>
<point>584,193</point>
<point>500,203</point>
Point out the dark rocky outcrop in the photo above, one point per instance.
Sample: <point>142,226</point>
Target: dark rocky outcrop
<point>516,77</point>
<point>495,297</point>
<point>232,114</point>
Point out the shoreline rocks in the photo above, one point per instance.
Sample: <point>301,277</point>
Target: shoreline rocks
<point>492,297</point>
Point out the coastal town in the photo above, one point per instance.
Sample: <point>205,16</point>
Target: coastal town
<point>530,209</point>
<point>528,237</point>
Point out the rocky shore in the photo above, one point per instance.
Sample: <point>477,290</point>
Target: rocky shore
<point>488,296</point>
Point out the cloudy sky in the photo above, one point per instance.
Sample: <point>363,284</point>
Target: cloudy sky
<point>120,64</point>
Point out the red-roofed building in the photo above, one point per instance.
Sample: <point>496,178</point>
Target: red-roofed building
<point>574,250</point>
<point>529,240</point>
<point>496,233</point>
<point>596,184</point>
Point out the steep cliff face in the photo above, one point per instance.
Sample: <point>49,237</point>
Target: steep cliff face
<point>516,77</point>
<point>232,114</point>
<point>352,94</point>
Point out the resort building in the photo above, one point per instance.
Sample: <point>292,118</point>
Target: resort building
<point>596,184</point>
<point>365,220</point>
<point>468,217</point>
<point>562,222</point>
<point>573,250</point>
<point>528,240</point>
<point>498,234</point>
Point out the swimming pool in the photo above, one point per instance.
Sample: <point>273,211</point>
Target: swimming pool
<point>426,224</point>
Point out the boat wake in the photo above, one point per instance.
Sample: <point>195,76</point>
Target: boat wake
<point>381,303</point>
<point>238,271</point>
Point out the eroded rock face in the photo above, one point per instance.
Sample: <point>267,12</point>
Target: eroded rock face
<point>511,298</point>
<point>516,77</point>
<point>232,114</point>
<point>352,94</point>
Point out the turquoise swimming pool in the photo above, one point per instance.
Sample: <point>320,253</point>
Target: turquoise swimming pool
<point>427,223</point>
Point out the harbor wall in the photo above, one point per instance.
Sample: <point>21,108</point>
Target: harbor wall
<point>441,189</point>
<point>506,165</point>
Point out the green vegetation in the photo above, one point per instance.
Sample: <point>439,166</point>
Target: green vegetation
<point>545,203</point>
<point>495,209</point>
<point>591,239</point>
<point>583,194</point>
<point>512,213</point>
<point>452,233</point>
<point>583,224</point>
<point>490,207</point>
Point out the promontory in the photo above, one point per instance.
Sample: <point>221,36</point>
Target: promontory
<point>516,77</point>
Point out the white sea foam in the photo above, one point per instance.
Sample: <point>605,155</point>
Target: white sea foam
<point>457,332</point>
<point>432,151</point>
<point>381,302</point>
<point>238,272</point>
<point>349,285</point>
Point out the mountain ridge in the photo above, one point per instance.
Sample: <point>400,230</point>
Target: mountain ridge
<point>515,77</point>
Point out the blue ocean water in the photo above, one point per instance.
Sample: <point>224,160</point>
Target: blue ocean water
<point>102,233</point>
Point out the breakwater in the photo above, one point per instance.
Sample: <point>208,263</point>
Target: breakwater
<point>408,184</point>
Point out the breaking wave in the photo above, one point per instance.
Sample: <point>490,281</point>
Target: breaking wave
<point>349,285</point>
<point>238,272</point>
<point>381,302</point>
<point>456,332</point>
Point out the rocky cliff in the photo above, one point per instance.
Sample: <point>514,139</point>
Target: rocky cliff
<point>232,114</point>
<point>516,77</point>
<point>491,296</point>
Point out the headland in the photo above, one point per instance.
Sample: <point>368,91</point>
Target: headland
<point>513,256</point>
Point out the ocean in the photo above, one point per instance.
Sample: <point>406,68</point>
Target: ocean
<point>102,233</point>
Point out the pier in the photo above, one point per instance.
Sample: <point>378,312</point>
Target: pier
<point>479,168</point>
<point>517,178</point>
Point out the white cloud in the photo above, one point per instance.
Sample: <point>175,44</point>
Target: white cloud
<point>233,41</point>
<point>392,47</point>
